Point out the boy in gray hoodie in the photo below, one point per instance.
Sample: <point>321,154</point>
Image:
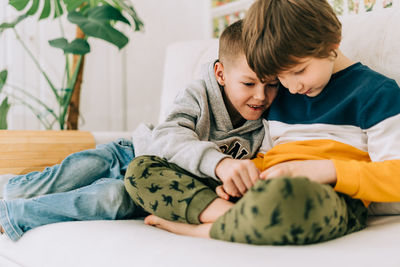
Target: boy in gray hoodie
<point>211,133</point>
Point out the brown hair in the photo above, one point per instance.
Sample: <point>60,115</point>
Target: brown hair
<point>230,42</point>
<point>277,33</point>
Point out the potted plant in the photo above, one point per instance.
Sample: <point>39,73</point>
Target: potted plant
<point>94,19</point>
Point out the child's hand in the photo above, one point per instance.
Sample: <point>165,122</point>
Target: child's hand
<point>237,176</point>
<point>219,190</point>
<point>320,171</point>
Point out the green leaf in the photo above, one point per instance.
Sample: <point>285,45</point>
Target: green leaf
<point>128,8</point>
<point>101,29</point>
<point>59,43</point>
<point>34,8</point>
<point>9,25</point>
<point>76,47</point>
<point>106,13</point>
<point>19,4</point>
<point>3,79</point>
<point>46,10</point>
<point>73,4</point>
<point>58,10</point>
<point>4,108</point>
<point>85,9</point>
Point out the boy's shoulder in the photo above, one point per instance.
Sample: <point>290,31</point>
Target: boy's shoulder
<point>360,80</point>
<point>361,74</point>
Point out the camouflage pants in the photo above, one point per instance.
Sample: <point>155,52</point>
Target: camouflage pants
<point>282,211</point>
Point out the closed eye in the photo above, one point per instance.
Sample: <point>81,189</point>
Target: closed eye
<point>249,84</point>
<point>300,71</point>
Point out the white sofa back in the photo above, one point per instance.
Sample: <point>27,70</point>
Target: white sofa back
<point>372,38</point>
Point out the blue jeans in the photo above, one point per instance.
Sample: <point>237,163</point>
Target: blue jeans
<point>87,185</point>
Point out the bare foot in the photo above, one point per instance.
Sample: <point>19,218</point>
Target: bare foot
<point>196,230</point>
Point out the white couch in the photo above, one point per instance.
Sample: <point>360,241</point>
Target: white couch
<point>372,38</point>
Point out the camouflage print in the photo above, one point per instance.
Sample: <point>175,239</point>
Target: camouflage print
<point>290,211</point>
<point>168,191</point>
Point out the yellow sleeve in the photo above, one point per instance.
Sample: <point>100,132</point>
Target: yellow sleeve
<point>259,161</point>
<point>369,181</point>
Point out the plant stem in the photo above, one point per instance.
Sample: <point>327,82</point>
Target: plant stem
<point>53,88</point>
<point>40,102</point>
<point>71,85</point>
<point>36,112</point>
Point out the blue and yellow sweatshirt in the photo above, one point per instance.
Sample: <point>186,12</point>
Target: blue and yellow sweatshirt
<point>354,121</point>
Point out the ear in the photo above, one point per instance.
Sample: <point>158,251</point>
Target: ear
<point>335,46</point>
<point>219,73</point>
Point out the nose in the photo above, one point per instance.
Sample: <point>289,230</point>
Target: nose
<point>295,87</point>
<point>260,93</point>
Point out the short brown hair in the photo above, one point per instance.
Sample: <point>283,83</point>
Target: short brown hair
<point>230,42</point>
<point>277,33</point>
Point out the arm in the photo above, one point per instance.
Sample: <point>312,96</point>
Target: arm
<point>183,138</point>
<point>377,180</point>
<point>371,181</point>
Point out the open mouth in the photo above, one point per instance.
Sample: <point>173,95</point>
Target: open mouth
<point>256,107</point>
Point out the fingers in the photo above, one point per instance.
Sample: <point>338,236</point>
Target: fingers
<point>249,174</point>
<point>239,183</point>
<point>231,188</point>
<point>221,192</point>
<point>254,174</point>
<point>237,176</point>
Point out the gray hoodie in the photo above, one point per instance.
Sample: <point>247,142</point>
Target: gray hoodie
<point>198,133</point>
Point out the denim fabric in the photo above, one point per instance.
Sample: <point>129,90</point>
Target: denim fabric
<point>87,185</point>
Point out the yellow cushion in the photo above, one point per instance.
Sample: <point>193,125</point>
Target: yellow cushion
<point>26,151</point>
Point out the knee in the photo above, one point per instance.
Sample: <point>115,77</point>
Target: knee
<point>285,210</point>
<point>138,172</point>
<point>285,189</point>
<point>115,191</point>
<point>108,190</point>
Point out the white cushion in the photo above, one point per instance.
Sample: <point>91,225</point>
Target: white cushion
<point>182,65</point>
<point>131,243</point>
<point>374,39</point>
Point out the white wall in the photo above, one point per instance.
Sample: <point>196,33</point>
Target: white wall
<point>120,88</point>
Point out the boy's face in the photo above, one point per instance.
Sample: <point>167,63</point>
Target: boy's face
<point>308,77</point>
<point>246,95</point>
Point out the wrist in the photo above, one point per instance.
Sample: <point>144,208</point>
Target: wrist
<point>220,166</point>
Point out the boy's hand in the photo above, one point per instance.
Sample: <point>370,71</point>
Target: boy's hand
<point>237,176</point>
<point>320,171</point>
<point>219,190</point>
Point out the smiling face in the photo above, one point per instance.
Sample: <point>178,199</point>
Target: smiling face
<point>246,97</point>
<point>309,76</point>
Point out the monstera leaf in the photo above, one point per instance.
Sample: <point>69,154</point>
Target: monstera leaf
<point>97,23</point>
<point>77,46</point>
<point>9,25</point>
<point>93,10</point>
<point>46,10</point>
<point>95,18</point>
